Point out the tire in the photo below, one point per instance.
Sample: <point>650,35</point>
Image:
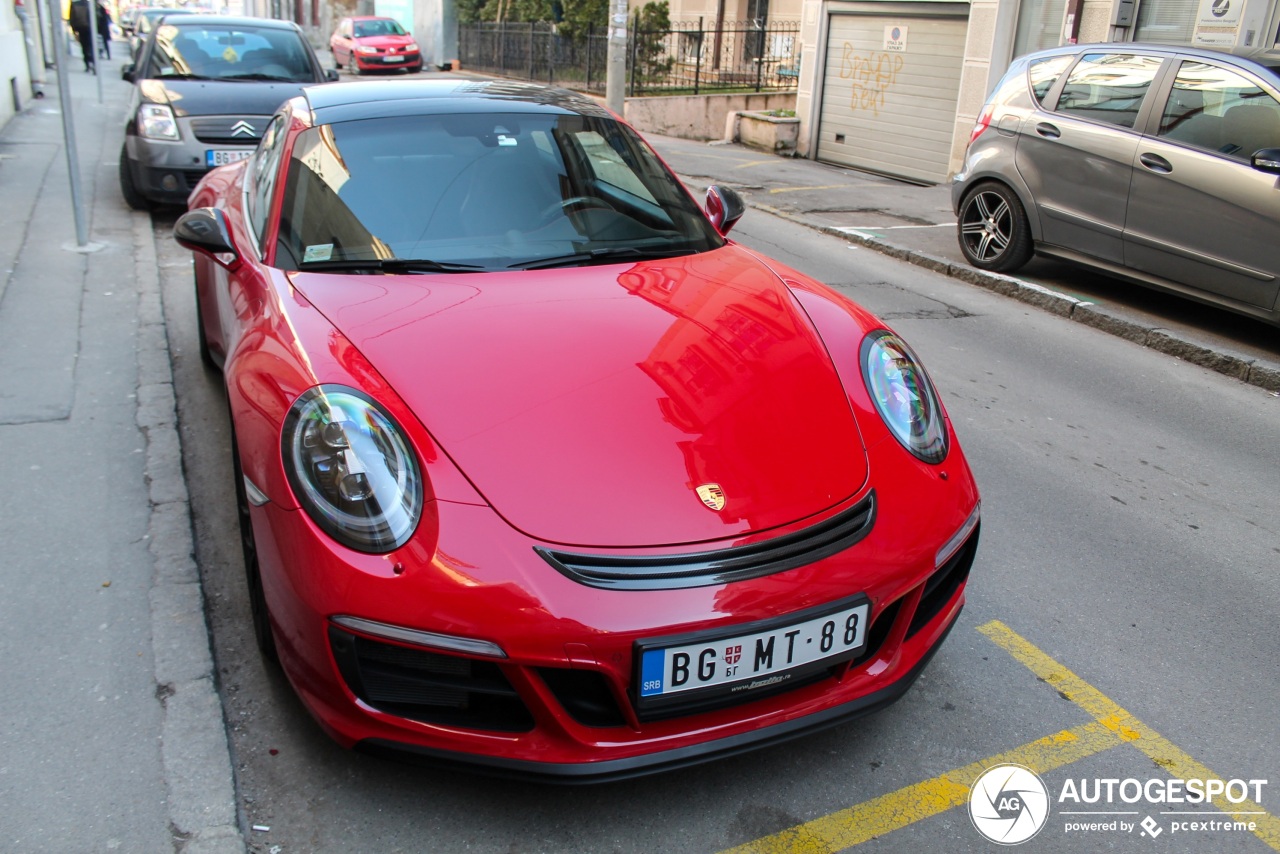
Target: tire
<point>336,63</point>
<point>206,355</point>
<point>993,230</point>
<point>132,197</point>
<point>262,632</point>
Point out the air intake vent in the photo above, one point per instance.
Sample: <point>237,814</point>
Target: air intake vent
<point>426,686</point>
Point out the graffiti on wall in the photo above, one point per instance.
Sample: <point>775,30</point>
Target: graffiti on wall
<point>872,75</point>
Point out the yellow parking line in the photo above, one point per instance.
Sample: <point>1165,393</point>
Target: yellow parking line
<point>1161,751</point>
<point>756,163</point>
<point>887,813</point>
<point>1112,726</point>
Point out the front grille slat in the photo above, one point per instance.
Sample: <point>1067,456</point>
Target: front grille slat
<point>737,563</point>
<point>229,130</point>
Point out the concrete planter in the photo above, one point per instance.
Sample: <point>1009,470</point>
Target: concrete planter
<point>776,134</point>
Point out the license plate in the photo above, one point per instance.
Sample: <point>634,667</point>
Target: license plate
<point>731,665</point>
<point>222,156</point>
<point>393,59</point>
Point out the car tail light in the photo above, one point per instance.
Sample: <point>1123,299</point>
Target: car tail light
<point>984,121</point>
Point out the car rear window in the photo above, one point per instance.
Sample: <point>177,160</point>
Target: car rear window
<point>1043,73</point>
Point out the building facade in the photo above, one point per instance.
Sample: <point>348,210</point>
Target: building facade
<point>20,57</point>
<point>895,86</point>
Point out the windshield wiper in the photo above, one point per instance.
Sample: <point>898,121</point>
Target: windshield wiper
<point>258,75</point>
<point>606,255</point>
<point>185,77</point>
<point>392,265</point>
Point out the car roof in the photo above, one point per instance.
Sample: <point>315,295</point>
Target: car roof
<point>190,20</point>
<point>340,102</point>
<point>371,18</point>
<point>1263,62</point>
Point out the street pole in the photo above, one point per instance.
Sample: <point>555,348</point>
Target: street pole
<point>615,85</point>
<point>69,130</point>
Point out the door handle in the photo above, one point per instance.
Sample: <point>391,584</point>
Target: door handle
<point>1048,131</point>
<point>1156,163</point>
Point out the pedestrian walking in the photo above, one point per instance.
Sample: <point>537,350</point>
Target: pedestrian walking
<point>78,18</point>
<point>104,29</point>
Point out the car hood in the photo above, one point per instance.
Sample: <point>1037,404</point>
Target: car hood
<point>384,41</point>
<point>219,97</point>
<point>588,405</point>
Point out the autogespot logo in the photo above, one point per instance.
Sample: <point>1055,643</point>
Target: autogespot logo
<point>1009,804</point>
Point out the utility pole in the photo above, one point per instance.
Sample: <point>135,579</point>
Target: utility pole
<point>69,131</point>
<point>615,86</point>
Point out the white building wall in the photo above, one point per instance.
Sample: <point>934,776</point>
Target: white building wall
<point>15,77</point>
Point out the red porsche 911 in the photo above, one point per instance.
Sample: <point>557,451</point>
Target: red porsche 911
<point>539,473</point>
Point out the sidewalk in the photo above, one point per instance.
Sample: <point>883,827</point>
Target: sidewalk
<point>917,224</point>
<point>113,737</point>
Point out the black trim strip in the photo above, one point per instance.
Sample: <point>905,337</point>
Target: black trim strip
<point>653,763</point>
<point>721,566</point>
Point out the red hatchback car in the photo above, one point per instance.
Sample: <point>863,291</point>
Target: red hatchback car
<point>366,43</point>
<point>540,473</point>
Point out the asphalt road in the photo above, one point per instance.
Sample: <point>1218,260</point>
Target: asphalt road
<point>1130,535</point>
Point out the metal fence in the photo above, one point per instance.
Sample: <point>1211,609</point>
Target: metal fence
<point>688,58</point>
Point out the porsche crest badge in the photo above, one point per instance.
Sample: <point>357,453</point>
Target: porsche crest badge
<point>712,495</point>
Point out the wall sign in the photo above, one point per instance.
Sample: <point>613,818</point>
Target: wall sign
<point>895,37</point>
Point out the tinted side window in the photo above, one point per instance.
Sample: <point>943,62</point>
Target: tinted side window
<point>1043,73</point>
<point>1108,87</point>
<point>262,174</point>
<point>1219,110</point>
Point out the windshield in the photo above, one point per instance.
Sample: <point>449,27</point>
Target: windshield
<point>223,52</point>
<point>489,191</point>
<point>383,27</point>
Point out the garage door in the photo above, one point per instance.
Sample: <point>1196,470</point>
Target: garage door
<point>889,95</point>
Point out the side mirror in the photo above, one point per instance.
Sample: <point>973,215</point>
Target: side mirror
<point>127,72</point>
<point>1266,160</point>
<point>331,75</point>
<point>725,207</point>
<point>206,230</point>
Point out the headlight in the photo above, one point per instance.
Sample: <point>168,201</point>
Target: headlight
<point>351,469</point>
<point>366,50</point>
<point>156,121</point>
<point>904,396</point>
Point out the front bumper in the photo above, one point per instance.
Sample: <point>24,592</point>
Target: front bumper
<point>561,703</point>
<point>670,760</point>
<point>167,171</point>
<point>410,61</point>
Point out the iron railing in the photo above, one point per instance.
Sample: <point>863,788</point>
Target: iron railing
<point>689,58</point>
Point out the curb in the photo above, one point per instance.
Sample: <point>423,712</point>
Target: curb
<point>1246,369</point>
<point>195,753</point>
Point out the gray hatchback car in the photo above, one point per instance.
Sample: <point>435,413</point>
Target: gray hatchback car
<point>205,87</point>
<point>1154,163</point>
